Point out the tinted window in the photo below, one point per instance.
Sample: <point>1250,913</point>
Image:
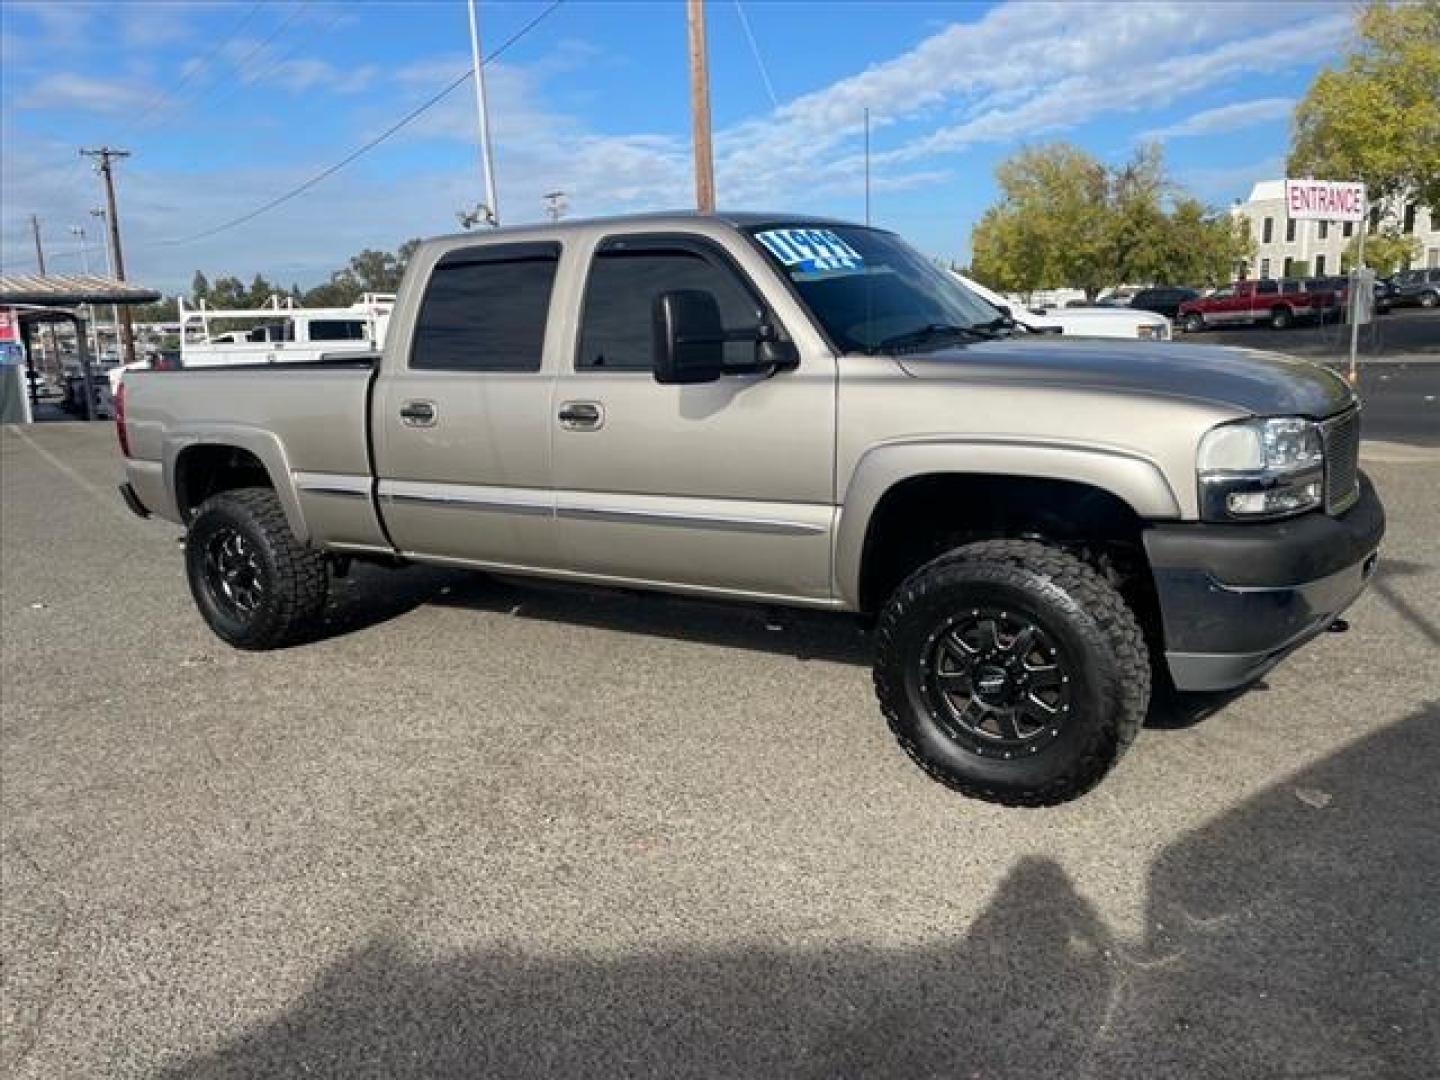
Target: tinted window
<point>337,330</point>
<point>625,278</point>
<point>485,309</point>
<point>1266,287</point>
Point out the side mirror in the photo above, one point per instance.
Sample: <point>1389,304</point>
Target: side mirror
<point>689,337</point>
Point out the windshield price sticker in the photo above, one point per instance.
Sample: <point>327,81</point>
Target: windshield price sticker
<point>811,249</point>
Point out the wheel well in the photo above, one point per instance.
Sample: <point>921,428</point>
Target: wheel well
<point>925,516</point>
<point>206,470</point>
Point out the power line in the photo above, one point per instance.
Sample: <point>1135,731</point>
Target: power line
<point>201,66</point>
<point>295,12</point>
<point>428,104</point>
<point>755,50</point>
<point>279,58</point>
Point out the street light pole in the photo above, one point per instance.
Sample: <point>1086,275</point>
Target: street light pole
<point>78,231</point>
<point>482,118</point>
<point>100,214</point>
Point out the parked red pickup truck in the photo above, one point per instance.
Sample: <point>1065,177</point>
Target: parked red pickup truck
<point>1280,303</point>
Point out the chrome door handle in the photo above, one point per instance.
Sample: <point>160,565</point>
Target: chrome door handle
<point>419,413</point>
<point>581,415</point>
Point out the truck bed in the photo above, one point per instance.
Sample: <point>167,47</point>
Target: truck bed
<point>309,421</point>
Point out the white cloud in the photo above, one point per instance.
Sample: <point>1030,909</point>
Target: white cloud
<point>1018,71</point>
<point>1235,117</point>
<point>69,90</point>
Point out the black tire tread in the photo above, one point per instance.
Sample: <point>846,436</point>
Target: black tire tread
<point>302,577</point>
<point>1114,619</point>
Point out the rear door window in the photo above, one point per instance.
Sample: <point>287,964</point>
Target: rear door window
<point>485,309</point>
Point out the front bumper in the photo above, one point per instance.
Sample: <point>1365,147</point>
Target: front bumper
<point>1235,599</point>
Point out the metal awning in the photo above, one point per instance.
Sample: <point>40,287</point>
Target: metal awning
<point>71,290</point>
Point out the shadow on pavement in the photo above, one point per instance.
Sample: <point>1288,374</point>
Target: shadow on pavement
<point>1298,935</point>
<point>1387,573</point>
<point>371,596</point>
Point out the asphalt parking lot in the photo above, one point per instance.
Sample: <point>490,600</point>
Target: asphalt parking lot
<point>486,828</point>
<point>1402,333</point>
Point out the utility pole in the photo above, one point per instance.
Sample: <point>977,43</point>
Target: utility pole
<point>103,156</point>
<point>700,109</point>
<point>52,342</point>
<point>39,249</point>
<point>482,118</point>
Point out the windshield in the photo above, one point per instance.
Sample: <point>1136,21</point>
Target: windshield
<point>871,291</point>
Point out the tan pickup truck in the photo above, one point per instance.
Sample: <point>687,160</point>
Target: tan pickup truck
<point>793,412</point>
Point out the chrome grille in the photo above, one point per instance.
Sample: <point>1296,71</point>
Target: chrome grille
<point>1342,461</point>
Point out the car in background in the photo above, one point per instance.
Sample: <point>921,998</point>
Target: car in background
<point>1384,294</point>
<point>1282,304</point>
<point>1416,287</point>
<point>1104,322</point>
<point>1163,299</point>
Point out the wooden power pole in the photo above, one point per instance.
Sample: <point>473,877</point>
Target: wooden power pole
<point>39,249</point>
<point>700,109</point>
<point>104,156</point>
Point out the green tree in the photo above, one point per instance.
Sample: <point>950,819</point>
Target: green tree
<point>1203,247</point>
<point>1385,251</point>
<point>1376,117</point>
<point>370,271</point>
<point>1049,226</point>
<point>199,287</point>
<point>1067,220</point>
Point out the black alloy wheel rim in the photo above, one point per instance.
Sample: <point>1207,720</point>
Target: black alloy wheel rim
<point>996,683</point>
<point>234,575</point>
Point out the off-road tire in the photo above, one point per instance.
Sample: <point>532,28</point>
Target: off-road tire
<point>295,578</point>
<point>1094,630</point>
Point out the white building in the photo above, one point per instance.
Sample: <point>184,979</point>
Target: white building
<point>1281,243</point>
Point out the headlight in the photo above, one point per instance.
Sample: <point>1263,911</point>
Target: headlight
<point>1260,469</point>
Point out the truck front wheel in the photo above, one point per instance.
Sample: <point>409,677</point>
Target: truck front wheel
<point>1012,672</point>
<point>1281,317</point>
<point>255,584</point>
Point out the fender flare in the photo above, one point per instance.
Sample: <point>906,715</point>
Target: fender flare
<point>1133,479</point>
<point>264,445</point>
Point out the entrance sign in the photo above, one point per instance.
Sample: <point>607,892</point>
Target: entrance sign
<point>1325,200</point>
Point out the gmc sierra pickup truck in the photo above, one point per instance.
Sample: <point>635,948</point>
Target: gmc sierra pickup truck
<point>792,412</point>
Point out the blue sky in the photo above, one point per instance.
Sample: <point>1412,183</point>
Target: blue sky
<point>227,105</point>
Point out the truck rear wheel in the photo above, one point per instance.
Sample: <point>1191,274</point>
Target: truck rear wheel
<point>255,584</point>
<point>1012,672</point>
<point>1281,317</point>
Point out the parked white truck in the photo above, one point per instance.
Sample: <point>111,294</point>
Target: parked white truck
<point>792,411</point>
<point>1109,322</point>
<point>281,331</point>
